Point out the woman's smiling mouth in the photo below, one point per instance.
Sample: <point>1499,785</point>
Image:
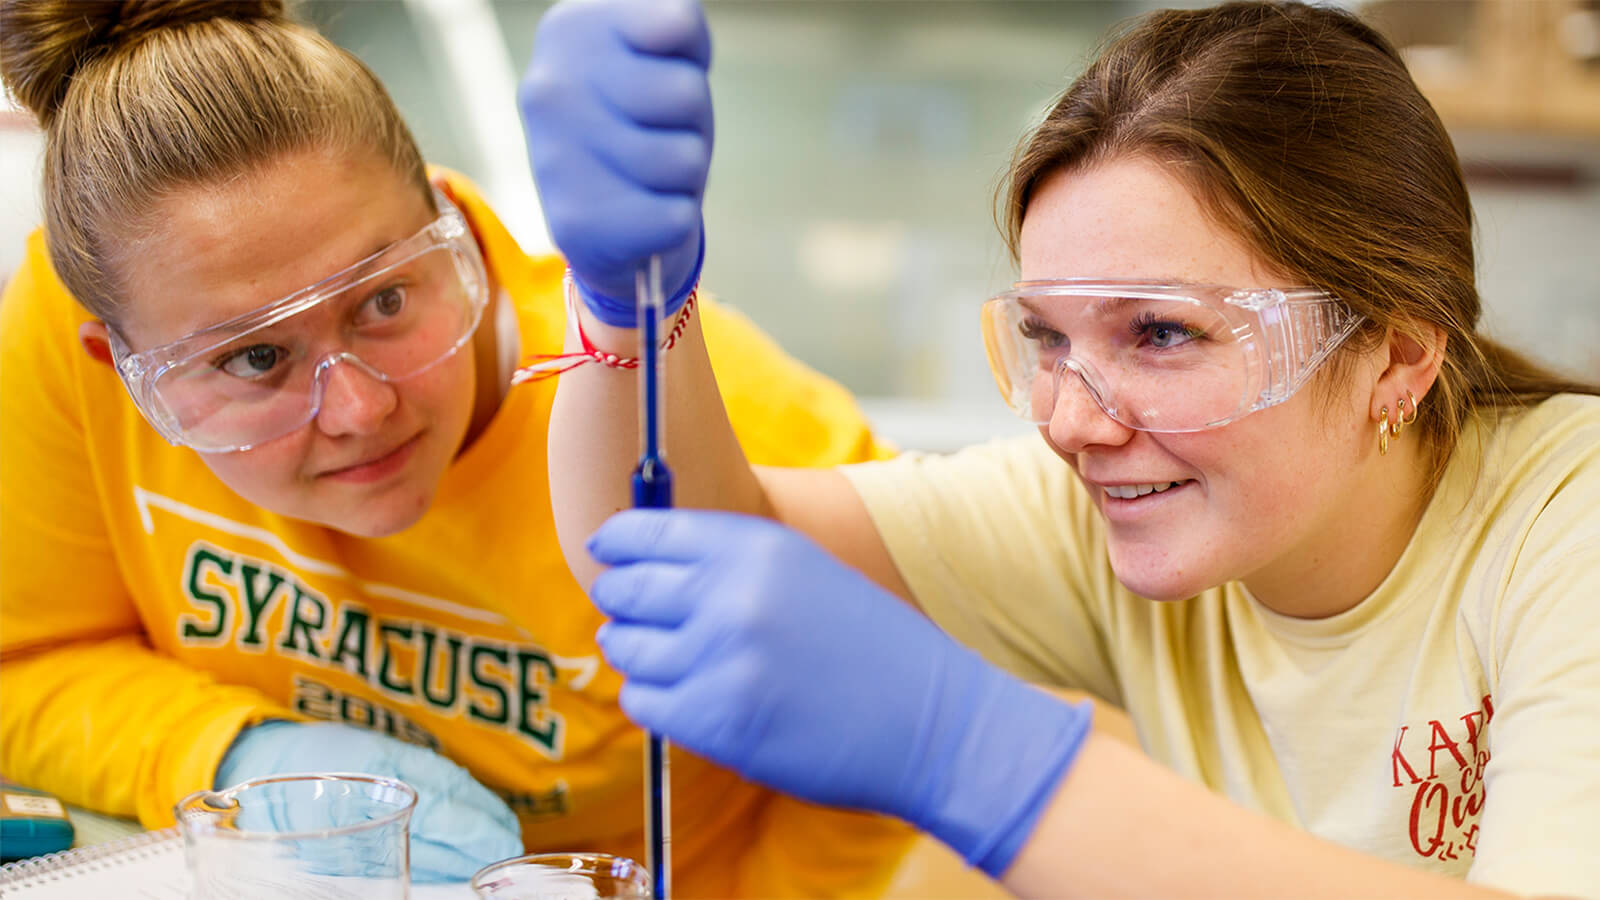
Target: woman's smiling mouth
<point>376,468</point>
<point>1133,491</point>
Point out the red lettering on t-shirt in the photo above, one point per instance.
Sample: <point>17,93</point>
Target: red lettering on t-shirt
<point>1397,760</point>
<point>1443,822</point>
<point>1442,741</point>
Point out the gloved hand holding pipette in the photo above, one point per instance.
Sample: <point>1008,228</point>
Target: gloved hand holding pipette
<point>628,79</point>
<point>745,642</point>
<point>617,112</point>
<point>458,826</point>
<point>740,639</point>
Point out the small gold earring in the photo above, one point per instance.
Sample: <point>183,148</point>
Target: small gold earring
<point>1400,411</point>
<point>1383,432</point>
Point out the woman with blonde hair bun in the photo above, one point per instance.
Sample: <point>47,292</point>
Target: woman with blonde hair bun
<point>269,499</point>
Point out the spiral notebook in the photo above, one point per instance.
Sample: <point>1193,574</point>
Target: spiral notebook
<point>145,866</point>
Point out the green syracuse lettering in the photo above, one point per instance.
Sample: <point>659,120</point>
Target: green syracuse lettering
<point>500,713</point>
<point>534,720</point>
<point>451,676</point>
<point>299,625</point>
<point>256,601</point>
<point>385,673</point>
<point>201,559</point>
<point>352,642</point>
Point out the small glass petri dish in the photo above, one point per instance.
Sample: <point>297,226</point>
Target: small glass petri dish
<point>563,876</point>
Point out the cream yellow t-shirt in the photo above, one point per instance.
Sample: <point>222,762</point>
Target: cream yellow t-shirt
<point>1451,721</point>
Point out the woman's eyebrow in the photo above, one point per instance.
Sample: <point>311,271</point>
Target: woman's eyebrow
<point>1102,305</point>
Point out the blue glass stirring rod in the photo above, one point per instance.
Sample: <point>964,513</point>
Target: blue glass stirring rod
<point>652,489</point>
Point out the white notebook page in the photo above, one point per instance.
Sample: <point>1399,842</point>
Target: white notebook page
<point>147,866</point>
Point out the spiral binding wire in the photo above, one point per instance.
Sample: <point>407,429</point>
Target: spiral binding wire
<point>65,864</point>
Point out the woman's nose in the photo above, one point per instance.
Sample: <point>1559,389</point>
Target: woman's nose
<point>354,400</point>
<point>1077,421</point>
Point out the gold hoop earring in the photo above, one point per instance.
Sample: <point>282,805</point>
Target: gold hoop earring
<point>1402,419</point>
<point>1383,432</point>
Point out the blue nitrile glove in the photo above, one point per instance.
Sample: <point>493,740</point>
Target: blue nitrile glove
<point>459,825</point>
<point>748,644</point>
<point>617,112</point>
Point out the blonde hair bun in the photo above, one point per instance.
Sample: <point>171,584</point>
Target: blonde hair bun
<point>43,42</point>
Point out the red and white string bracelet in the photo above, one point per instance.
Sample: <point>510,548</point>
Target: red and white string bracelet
<point>539,366</point>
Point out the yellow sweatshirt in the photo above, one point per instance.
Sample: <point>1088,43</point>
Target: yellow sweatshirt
<point>148,613</point>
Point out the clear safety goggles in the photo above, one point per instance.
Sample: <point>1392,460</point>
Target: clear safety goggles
<point>1159,357</point>
<point>243,382</point>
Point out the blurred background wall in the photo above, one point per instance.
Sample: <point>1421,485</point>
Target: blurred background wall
<point>859,144</point>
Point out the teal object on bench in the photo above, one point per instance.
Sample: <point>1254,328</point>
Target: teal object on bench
<point>32,823</point>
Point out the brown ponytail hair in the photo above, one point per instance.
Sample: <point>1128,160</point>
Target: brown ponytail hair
<point>1299,128</point>
<point>138,98</point>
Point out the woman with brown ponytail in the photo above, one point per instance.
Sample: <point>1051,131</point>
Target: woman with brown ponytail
<point>262,465</point>
<point>1335,551</point>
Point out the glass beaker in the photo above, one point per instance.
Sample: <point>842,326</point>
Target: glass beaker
<point>563,876</point>
<point>329,835</point>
